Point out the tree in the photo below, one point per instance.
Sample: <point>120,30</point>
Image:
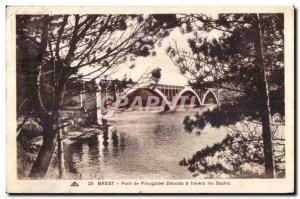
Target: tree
<point>156,74</point>
<point>55,50</point>
<point>245,59</point>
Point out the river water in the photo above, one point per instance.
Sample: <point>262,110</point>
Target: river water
<point>138,145</point>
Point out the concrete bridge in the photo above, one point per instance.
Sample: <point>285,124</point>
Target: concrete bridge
<point>89,100</point>
<point>203,97</point>
<point>169,95</point>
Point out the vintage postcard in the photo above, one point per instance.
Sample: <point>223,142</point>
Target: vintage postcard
<point>150,99</point>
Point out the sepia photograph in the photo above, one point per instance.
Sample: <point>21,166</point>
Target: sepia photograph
<point>150,100</point>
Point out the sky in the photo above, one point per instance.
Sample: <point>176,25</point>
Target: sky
<point>169,72</point>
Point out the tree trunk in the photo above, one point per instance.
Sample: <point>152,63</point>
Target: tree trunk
<point>265,107</point>
<point>43,159</point>
<point>49,119</point>
<point>268,146</point>
<point>51,128</point>
<point>60,155</point>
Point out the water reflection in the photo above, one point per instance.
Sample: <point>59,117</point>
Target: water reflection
<point>137,146</point>
<point>72,154</point>
<point>93,151</point>
<point>115,143</point>
<point>105,143</point>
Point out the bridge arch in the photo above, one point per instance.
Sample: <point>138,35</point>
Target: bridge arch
<point>210,93</point>
<point>132,91</point>
<point>186,90</point>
